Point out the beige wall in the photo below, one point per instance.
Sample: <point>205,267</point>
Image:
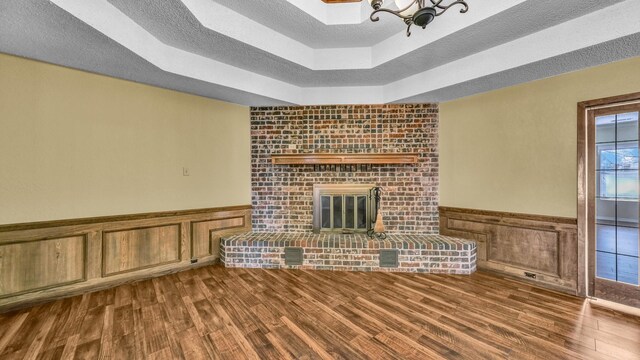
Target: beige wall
<point>75,144</point>
<point>514,149</point>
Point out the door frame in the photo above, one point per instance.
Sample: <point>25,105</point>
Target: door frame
<point>586,209</point>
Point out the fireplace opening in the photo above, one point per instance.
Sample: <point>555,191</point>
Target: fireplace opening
<point>342,208</point>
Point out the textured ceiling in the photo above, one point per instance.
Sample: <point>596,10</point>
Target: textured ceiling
<point>291,21</point>
<point>262,52</point>
<point>39,30</point>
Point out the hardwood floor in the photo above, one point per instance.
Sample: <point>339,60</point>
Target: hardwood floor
<point>213,312</point>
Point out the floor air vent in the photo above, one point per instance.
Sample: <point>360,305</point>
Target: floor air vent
<point>293,255</point>
<point>389,258</point>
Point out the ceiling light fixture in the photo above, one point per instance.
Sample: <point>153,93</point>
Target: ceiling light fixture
<point>416,12</point>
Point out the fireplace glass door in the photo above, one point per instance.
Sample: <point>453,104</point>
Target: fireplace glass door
<point>344,212</point>
<point>341,208</point>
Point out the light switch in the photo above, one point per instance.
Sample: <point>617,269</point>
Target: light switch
<point>185,171</point>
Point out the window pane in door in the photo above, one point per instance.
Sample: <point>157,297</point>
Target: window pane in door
<point>606,265</point>
<point>628,269</point>
<point>627,213</point>
<point>606,184</point>
<point>606,238</point>
<point>606,156</point>
<point>605,129</point>
<point>627,238</point>
<point>627,126</point>
<point>606,212</point>
<point>626,156</point>
<point>627,184</point>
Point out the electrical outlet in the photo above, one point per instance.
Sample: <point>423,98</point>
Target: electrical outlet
<point>185,171</point>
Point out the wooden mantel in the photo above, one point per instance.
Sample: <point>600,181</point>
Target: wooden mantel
<point>331,159</point>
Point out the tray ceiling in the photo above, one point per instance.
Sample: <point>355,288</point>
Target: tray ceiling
<point>265,52</point>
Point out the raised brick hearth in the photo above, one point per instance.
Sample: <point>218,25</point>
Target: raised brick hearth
<point>356,252</point>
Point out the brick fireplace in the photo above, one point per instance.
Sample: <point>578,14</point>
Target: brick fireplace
<point>289,186</point>
<point>282,195</point>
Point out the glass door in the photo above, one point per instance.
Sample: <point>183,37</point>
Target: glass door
<point>616,203</point>
<point>344,213</point>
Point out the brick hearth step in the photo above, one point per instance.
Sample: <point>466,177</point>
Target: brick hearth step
<point>354,252</point>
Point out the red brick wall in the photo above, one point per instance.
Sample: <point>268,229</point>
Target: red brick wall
<point>282,194</point>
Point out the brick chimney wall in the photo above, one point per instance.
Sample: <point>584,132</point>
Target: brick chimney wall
<point>282,194</point>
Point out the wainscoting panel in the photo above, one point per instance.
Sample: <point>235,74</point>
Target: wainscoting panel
<point>508,248</point>
<point>205,238</point>
<point>48,260</point>
<point>543,249</point>
<point>36,265</point>
<point>137,249</point>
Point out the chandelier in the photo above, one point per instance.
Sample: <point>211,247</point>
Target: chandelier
<point>416,12</point>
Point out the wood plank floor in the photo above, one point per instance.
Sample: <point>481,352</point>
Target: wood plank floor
<point>218,313</point>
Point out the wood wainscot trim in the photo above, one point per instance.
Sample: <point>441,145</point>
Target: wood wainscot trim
<point>206,234</point>
<point>67,257</point>
<point>117,218</point>
<point>139,248</point>
<point>70,257</point>
<point>503,215</point>
<point>539,248</point>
